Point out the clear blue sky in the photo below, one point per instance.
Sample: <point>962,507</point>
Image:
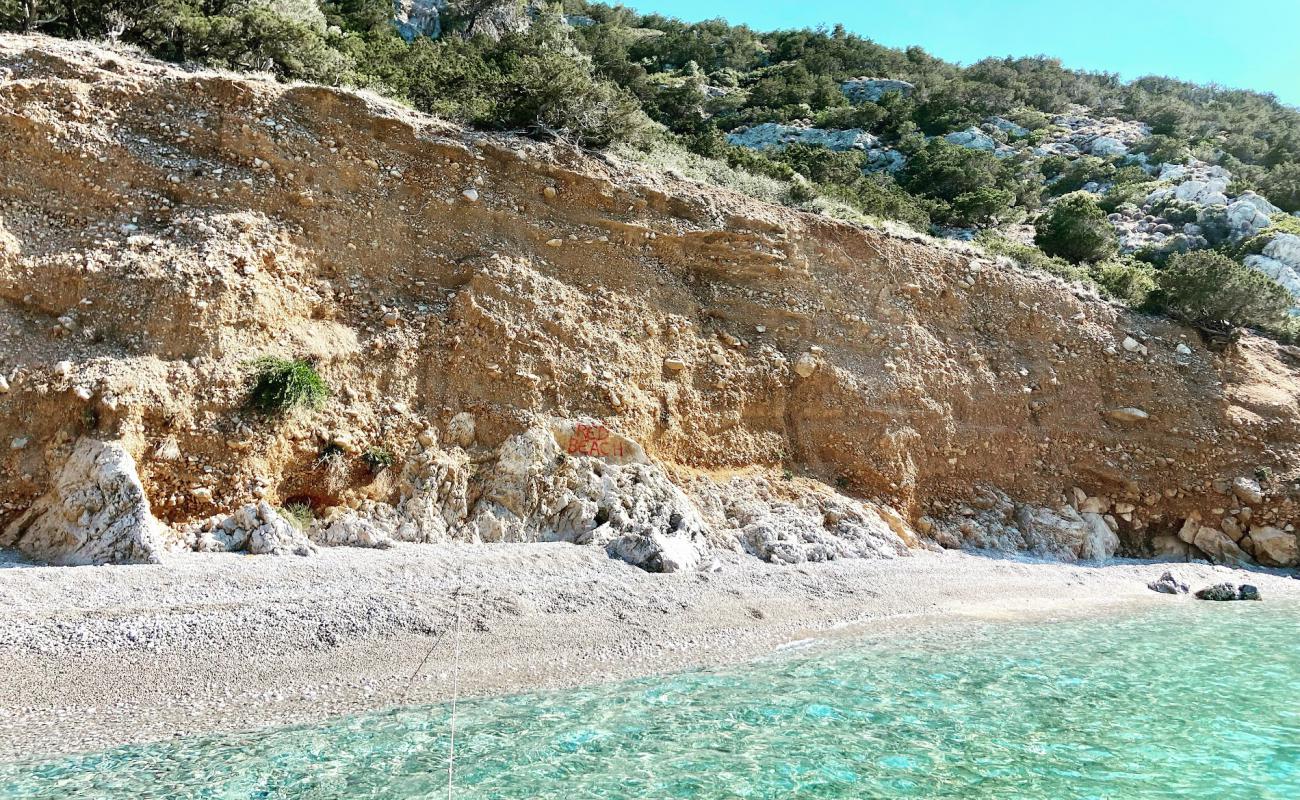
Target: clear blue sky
<point>1242,45</point>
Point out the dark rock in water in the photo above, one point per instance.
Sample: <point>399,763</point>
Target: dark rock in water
<point>1229,591</point>
<point>1168,584</point>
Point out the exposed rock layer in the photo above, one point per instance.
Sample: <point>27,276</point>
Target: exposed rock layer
<point>465,294</point>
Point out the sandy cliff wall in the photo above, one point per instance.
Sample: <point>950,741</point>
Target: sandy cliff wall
<point>786,380</point>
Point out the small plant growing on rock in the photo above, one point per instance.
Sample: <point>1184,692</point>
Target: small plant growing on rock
<point>299,515</point>
<point>378,459</point>
<point>329,454</point>
<point>281,384</point>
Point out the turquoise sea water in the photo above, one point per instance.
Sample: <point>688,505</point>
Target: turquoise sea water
<point>1196,700</point>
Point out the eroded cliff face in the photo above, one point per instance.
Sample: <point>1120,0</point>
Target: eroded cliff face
<point>556,345</point>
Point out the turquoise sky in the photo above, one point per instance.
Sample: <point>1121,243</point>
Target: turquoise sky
<point>1247,45</point>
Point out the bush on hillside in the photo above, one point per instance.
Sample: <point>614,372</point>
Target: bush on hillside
<point>281,384</point>
<point>966,187</point>
<point>1125,279</point>
<point>1206,287</point>
<point>1075,228</point>
<point>1282,187</point>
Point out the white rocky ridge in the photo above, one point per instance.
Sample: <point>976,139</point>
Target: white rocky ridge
<point>775,136</point>
<point>571,481</point>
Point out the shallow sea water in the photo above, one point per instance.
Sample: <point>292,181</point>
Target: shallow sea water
<point>1194,700</point>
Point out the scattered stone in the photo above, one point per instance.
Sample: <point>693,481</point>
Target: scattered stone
<point>1134,346</point>
<point>805,365</point>
<point>675,364</point>
<point>470,194</point>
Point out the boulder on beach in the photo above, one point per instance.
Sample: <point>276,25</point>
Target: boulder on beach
<point>1229,591</point>
<point>1168,583</point>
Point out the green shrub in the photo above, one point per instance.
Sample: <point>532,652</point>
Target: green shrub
<point>966,187</point>
<point>299,515</point>
<point>1206,287</point>
<point>1029,257</point>
<point>1125,279</point>
<point>1161,149</point>
<point>1082,171</point>
<point>1075,228</point>
<point>378,459</point>
<point>1282,186</point>
<point>281,384</point>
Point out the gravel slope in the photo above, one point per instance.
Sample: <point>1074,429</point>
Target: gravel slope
<point>96,656</point>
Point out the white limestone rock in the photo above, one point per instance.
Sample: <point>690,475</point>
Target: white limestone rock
<point>257,529</point>
<point>1105,146</point>
<point>1280,261</point>
<point>972,139</point>
<point>1008,127</point>
<point>1067,534</point>
<point>96,512</point>
<point>1248,490</point>
<point>870,90</point>
<point>775,136</point>
<point>598,488</point>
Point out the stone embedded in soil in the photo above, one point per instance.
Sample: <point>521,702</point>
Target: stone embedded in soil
<point>1128,415</point>
<point>1248,490</point>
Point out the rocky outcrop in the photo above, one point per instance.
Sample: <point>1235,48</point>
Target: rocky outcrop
<point>1280,260</point>
<point>1065,532</point>
<point>975,139</point>
<point>794,523</point>
<point>569,480</point>
<point>96,512</point>
<point>257,529</point>
<point>775,136</point>
<point>415,18</point>
<point>871,90</point>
